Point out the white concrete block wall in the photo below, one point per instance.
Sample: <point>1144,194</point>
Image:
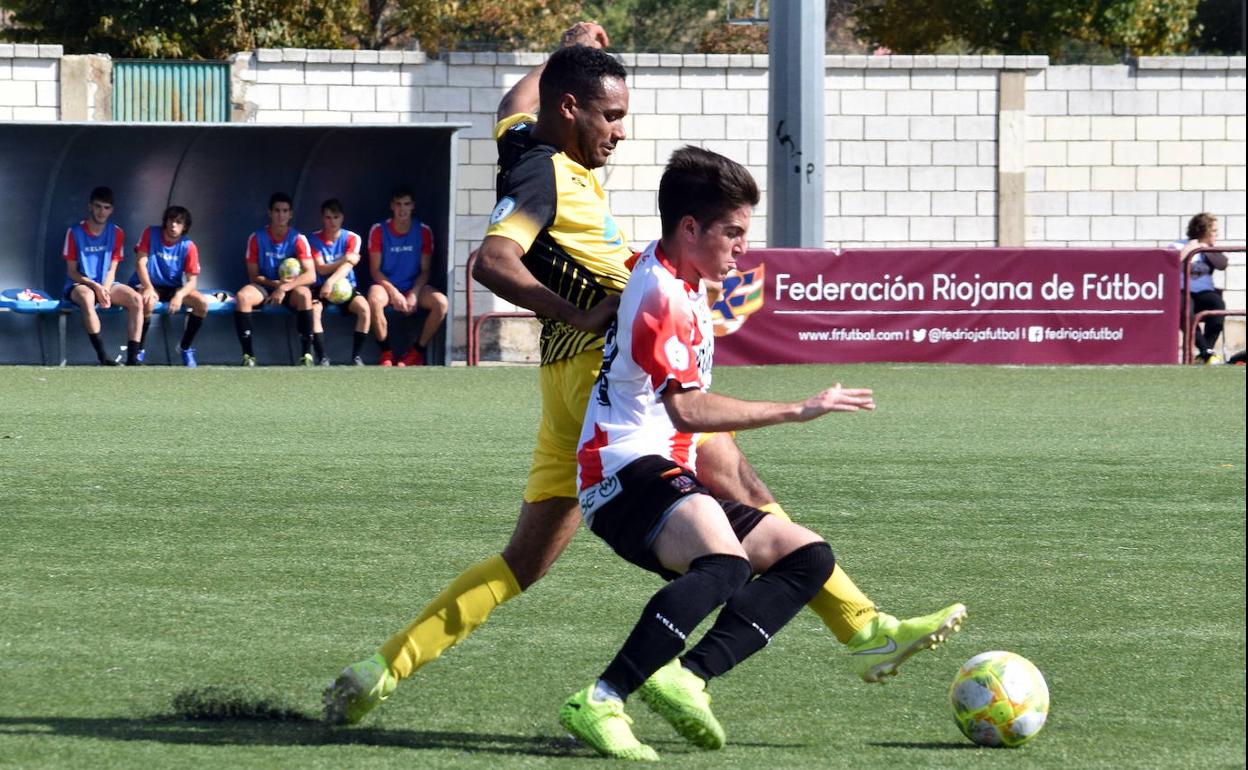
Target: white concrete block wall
<point>30,82</point>
<point>1115,155</point>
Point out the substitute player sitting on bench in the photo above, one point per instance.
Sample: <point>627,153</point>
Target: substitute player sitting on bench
<point>167,270</point>
<point>399,253</point>
<point>336,252</point>
<point>267,249</point>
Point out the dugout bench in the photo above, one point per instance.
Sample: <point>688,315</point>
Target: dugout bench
<point>223,173</point>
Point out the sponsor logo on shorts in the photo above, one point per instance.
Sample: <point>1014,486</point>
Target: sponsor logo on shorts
<point>682,484</point>
<point>598,495</point>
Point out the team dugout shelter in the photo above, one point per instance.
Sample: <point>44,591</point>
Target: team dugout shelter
<point>224,174</point>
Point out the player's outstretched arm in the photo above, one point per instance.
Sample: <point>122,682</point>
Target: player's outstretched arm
<point>523,96</point>
<point>500,270</point>
<point>696,411</point>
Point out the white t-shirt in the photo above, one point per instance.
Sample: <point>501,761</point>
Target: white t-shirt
<point>662,338</point>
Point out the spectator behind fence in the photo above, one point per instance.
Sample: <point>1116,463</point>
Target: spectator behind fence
<point>1202,231</point>
<point>167,270</point>
<point>270,284</point>
<point>336,252</point>
<point>93,248</point>
<point>399,253</point>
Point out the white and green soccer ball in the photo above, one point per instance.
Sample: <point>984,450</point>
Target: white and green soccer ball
<point>289,268</point>
<point>999,699</point>
<point>340,292</point>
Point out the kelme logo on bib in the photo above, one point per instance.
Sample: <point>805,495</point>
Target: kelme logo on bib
<point>502,209</point>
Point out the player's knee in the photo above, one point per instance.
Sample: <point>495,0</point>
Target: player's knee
<point>723,574</point>
<point>807,567</point>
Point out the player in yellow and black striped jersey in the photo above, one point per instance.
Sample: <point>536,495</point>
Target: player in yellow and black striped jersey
<point>554,208</point>
<point>553,248</point>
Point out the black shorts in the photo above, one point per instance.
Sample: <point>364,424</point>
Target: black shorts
<point>286,301</point>
<point>344,306</point>
<point>165,293</point>
<point>629,509</point>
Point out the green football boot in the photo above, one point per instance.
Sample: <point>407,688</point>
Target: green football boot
<point>249,360</point>
<point>886,642</point>
<point>358,690</point>
<point>603,726</point>
<point>679,696</point>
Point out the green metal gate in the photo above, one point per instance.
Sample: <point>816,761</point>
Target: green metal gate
<point>162,91</point>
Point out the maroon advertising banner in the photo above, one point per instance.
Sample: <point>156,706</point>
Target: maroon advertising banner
<point>968,306</point>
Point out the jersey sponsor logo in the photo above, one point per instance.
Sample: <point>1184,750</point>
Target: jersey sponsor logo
<point>503,209</point>
<point>677,354</point>
<point>742,296</point>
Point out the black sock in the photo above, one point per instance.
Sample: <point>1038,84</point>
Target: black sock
<point>760,609</point>
<point>384,344</point>
<point>192,328</point>
<point>671,615</point>
<point>303,322</point>
<point>318,345</point>
<point>357,342</point>
<point>242,323</point>
<point>98,344</point>
<point>147,323</point>
<point>132,352</point>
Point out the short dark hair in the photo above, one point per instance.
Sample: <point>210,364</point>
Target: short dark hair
<point>704,185</point>
<point>176,212</point>
<point>332,205</point>
<point>402,191</point>
<point>1200,225</point>
<point>280,197</point>
<point>576,70</point>
<point>101,194</point>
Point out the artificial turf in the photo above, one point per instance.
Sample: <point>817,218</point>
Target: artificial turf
<point>187,557</point>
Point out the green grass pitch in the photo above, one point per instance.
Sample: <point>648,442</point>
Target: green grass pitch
<point>187,557</point>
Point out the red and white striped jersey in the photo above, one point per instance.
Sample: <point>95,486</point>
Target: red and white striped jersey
<point>661,339</point>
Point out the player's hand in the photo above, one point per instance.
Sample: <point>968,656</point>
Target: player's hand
<point>411,303</point>
<point>599,317</point>
<point>150,297</point>
<point>585,33</point>
<point>175,304</point>
<point>276,297</point>
<point>326,290</point>
<point>398,301</point>
<point>837,399</point>
<point>103,297</point>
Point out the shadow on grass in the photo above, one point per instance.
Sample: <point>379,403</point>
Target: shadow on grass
<point>925,745</point>
<point>222,717</point>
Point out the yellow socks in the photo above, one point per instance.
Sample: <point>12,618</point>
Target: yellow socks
<point>843,608</point>
<point>452,616</point>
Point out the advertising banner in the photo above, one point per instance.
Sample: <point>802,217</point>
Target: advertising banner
<point>967,306</point>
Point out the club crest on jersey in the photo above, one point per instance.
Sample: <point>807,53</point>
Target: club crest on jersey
<point>677,354</point>
<point>611,231</point>
<point>742,296</point>
<point>502,209</point>
<point>682,484</point>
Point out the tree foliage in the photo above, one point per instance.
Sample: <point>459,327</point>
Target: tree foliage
<point>1125,27</point>
<point>192,29</point>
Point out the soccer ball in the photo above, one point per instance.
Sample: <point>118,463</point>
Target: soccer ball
<point>341,291</point>
<point>289,268</point>
<point>999,699</point>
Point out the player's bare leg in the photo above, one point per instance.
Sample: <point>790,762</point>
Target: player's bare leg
<point>436,303</point>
